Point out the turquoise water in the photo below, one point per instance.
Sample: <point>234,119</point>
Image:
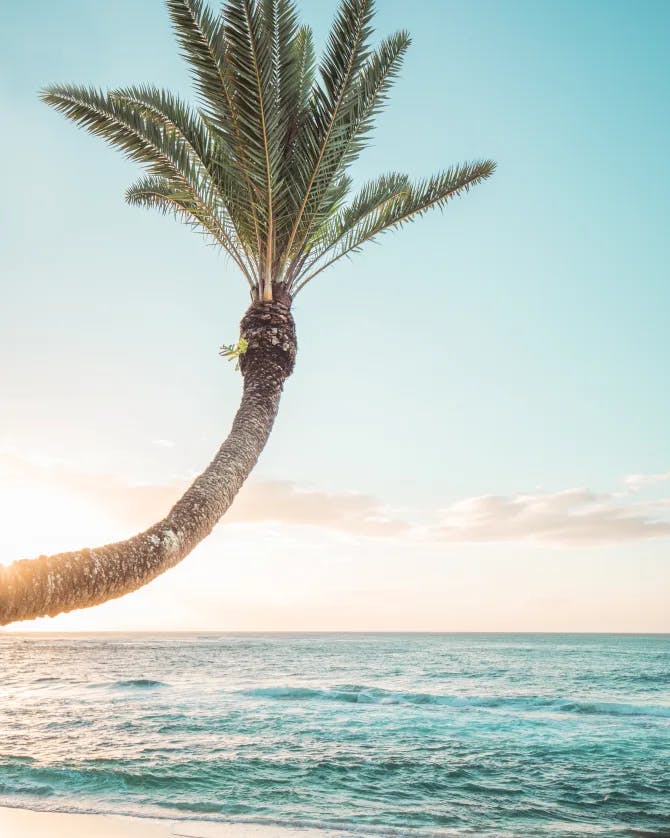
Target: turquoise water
<point>505,735</point>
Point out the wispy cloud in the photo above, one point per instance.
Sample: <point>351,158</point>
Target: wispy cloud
<point>635,482</point>
<point>283,502</point>
<point>568,518</point>
<point>289,503</point>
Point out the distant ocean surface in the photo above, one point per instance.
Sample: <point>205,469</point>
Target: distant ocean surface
<point>368,734</point>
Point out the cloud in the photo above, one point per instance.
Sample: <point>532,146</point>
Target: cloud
<point>572,517</point>
<point>288,503</point>
<point>569,518</point>
<point>163,443</point>
<point>283,502</point>
<point>635,482</point>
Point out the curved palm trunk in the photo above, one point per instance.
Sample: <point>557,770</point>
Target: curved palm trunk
<point>50,585</point>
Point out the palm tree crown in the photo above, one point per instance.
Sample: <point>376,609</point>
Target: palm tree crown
<point>261,165</point>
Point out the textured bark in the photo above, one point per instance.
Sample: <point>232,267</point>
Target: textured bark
<point>50,585</point>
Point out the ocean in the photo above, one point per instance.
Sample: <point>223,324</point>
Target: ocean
<point>368,734</point>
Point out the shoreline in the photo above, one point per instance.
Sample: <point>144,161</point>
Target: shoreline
<point>31,823</point>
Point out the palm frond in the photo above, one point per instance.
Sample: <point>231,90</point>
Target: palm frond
<point>371,214</point>
<point>366,99</point>
<point>167,148</point>
<point>203,40</point>
<point>217,172</point>
<point>168,197</point>
<point>371,198</point>
<point>371,93</point>
<point>281,24</point>
<point>252,57</point>
<point>122,126</point>
<point>175,119</point>
<point>305,58</point>
<point>200,35</point>
<point>346,52</point>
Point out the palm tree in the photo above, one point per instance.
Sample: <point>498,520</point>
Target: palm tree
<point>261,168</point>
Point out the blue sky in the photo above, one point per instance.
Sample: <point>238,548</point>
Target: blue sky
<point>514,346</point>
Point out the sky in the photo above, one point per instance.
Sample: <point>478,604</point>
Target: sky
<point>475,436</point>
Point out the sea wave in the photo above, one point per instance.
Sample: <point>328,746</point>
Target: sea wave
<point>361,694</point>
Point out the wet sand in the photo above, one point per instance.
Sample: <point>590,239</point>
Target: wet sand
<point>23,823</point>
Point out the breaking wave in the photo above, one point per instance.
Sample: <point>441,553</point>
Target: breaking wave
<point>356,694</point>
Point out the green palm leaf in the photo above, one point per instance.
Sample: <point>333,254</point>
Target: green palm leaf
<point>390,203</point>
<point>346,52</point>
<point>200,36</point>
<point>124,127</point>
<point>250,39</point>
<point>215,168</point>
<point>203,41</point>
<point>305,58</point>
<point>364,101</point>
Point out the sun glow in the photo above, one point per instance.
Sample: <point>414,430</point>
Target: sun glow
<point>49,520</point>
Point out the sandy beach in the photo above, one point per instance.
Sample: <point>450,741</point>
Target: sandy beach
<point>22,823</point>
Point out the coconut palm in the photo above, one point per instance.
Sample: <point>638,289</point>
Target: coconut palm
<point>260,166</point>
